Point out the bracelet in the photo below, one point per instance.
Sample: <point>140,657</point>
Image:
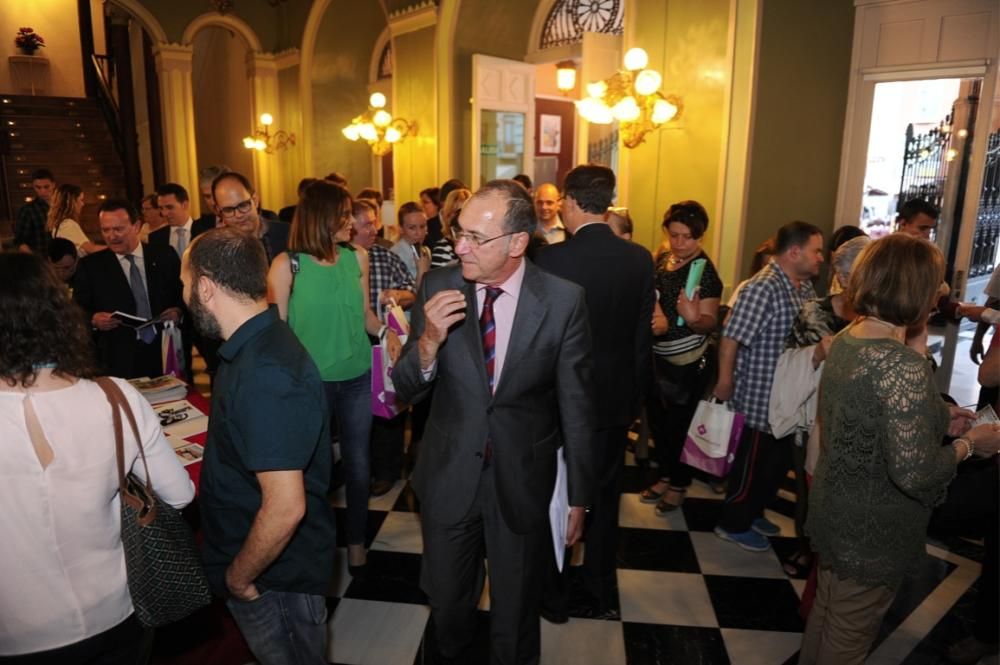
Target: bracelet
<point>969,448</point>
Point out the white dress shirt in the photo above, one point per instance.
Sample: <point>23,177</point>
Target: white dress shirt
<point>62,555</point>
<point>187,235</point>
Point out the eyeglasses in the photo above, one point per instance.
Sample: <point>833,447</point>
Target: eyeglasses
<point>476,240</point>
<point>243,207</point>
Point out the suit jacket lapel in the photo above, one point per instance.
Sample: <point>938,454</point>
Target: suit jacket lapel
<point>527,319</point>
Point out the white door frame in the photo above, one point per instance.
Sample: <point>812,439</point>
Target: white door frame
<point>499,84</point>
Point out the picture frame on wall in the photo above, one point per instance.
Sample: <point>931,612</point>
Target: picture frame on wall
<point>550,133</point>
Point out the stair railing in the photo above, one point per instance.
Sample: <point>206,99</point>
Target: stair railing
<point>107,100</point>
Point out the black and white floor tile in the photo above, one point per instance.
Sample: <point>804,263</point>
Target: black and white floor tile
<point>684,595</point>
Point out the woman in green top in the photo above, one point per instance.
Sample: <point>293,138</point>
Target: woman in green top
<point>882,467</point>
<point>321,288</point>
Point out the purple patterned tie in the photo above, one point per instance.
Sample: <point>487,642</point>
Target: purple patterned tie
<point>488,329</point>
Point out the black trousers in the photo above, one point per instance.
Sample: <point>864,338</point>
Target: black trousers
<point>668,423</point>
<point>972,509</point>
<point>760,464</point>
<point>387,447</point>
<point>452,575</point>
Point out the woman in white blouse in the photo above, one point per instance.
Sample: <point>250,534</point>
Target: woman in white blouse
<point>63,595</point>
<point>64,213</point>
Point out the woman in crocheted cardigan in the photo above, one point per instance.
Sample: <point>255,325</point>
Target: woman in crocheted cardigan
<point>882,467</point>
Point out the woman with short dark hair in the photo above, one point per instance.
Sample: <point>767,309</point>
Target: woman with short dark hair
<point>882,467</point>
<point>64,597</point>
<point>683,359</point>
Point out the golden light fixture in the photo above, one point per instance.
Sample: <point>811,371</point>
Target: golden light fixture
<point>566,76</point>
<point>632,97</point>
<point>263,140</point>
<point>378,127</point>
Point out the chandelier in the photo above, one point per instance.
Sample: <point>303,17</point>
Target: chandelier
<point>378,127</point>
<point>632,97</point>
<point>263,140</point>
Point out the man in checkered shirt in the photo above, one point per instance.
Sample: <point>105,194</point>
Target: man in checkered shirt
<point>752,341</point>
<point>388,279</point>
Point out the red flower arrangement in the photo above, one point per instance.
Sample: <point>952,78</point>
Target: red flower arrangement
<point>28,40</point>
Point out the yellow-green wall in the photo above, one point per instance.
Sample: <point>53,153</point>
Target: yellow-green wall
<point>686,42</point>
<point>339,74</point>
<point>415,159</point>
<point>801,96</point>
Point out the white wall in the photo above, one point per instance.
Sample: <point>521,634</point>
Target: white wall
<point>57,22</point>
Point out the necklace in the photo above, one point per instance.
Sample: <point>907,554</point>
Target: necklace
<point>893,328</point>
<point>673,261</point>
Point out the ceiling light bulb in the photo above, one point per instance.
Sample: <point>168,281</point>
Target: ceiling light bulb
<point>647,82</point>
<point>351,132</point>
<point>595,111</point>
<point>392,135</point>
<point>266,119</point>
<point>636,59</point>
<point>367,132</point>
<point>377,100</point>
<point>381,118</point>
<point>597,89</point>
<point>663,111</point>
<point>259,145</point>
<point>248,143</point>
<point>627,110</point>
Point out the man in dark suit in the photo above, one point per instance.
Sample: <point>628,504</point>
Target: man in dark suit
<point>617,277</point>
<point>507,349</point>
<point>133,278</point>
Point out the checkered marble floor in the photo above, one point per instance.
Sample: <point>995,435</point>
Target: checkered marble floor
<point>684,595</point>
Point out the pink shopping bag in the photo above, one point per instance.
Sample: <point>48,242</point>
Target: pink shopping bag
<point>713,438</point>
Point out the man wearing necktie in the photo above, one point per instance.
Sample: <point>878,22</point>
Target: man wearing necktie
<point>134,278</point>
<point>175,207</point>
<point>507,349</point>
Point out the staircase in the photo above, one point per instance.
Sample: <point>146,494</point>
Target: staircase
<point>69,137</point>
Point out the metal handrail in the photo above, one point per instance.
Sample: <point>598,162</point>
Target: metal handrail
<point>104,67</point>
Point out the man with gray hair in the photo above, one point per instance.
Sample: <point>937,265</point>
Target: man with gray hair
<point>506,348</point>
<point>209,215</point>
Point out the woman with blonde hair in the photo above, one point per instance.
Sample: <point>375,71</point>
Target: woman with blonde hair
<point>443,251</point>
<point>64,215</point>
<point>882,465</point>
<point>321,288</point>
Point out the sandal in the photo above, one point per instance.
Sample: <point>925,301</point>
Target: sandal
<point>650,495</point>
<point>798,565</point>
<point>672,499</point>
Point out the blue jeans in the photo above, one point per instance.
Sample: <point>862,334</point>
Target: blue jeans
<point>350,403</point>
<point>283,628</point>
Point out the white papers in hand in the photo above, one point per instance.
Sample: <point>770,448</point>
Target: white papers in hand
<point>559,510</point>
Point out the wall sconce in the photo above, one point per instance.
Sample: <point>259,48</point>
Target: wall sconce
<point>263,141</point>
<point>632,97</point>
<point>566,76</point>
<point>378,127</point>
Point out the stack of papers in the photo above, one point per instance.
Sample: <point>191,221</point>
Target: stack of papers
<point>180,420</point>
<point>161,389</point>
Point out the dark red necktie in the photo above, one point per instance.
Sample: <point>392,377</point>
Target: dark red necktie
<point>488,329</point>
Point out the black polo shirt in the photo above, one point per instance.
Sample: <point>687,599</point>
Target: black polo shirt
<point>268,414</point>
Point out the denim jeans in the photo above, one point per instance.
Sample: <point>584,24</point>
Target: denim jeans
<point>283,628</point>
<point>350,403</point>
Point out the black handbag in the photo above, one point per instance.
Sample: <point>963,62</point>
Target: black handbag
<point>685,384</point>
<point>165,577</point>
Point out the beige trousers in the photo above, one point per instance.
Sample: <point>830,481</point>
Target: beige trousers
<point>844,621</point>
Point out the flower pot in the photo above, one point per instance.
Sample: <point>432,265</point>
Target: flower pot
<point>27,50</point>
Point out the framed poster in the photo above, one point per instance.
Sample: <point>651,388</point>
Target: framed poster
<point>551,133</point>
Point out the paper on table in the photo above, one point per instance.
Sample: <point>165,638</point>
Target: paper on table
<point>181,419</point>
<point>559,510</point>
